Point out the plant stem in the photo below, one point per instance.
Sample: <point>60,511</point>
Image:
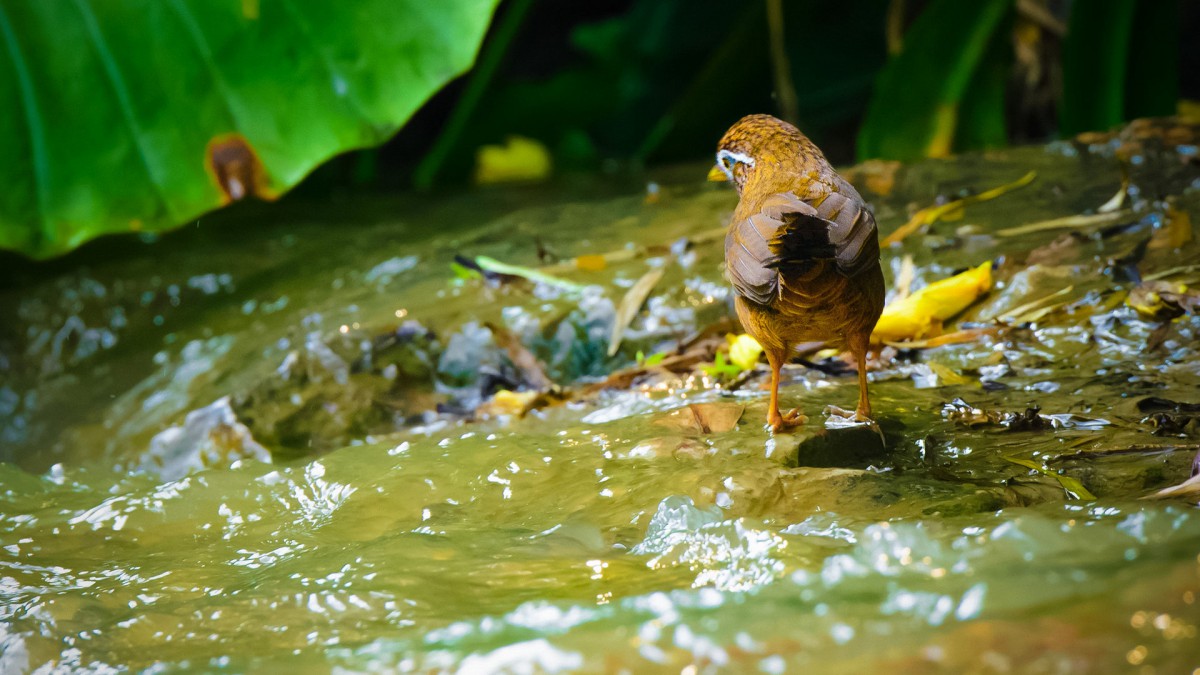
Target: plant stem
<point>481,76</point>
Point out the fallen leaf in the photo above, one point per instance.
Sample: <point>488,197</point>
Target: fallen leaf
<point>531,368</point>
<point>705,418</point>
<point>492,265</point>
<point>630,304</point>
<point>1176,230</point>
<point>1066,222</point>
<point>1118,199</point>
<point>1188,489</point>
<point>509,403</point>
<point>1063,247</point>
<point>519,159</point>
<point>923,312</point>
<point>953,209</point>
<point>904,278</point>
<point>590,263</point>
<point>1163,300</point>
<point>1030,311</point>
<point>957,337</point>
<point>1074,488</point>
<point>946,375</point>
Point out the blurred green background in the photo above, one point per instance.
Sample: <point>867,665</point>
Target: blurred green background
<point>264,91</point>
<point>615,83</point>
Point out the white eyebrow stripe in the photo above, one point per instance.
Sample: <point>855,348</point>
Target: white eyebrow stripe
<point>736,157</point>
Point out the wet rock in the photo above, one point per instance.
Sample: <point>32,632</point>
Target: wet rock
<point>211,437</point>
<point>857,446</point>
<point>336,390</point>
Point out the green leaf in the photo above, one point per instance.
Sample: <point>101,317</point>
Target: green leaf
<point>914,109</point>
<point>1095,58</point>
<point>654,359</point>
<point>982,120</point>
<point>720,368</point>
<point>1074,488</point>
<point>537,276</point>
<point>141,114</point>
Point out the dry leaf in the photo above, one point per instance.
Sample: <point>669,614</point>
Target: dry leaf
<point>1066,222</point>
<point>1163,300</point>
<point>1064,246</point>
<point>1188,489</point>
<point>1175,231</point>
<point>704,418</point>
<point>953,209</point>
<point>630,304</point>
<point>531,368</point>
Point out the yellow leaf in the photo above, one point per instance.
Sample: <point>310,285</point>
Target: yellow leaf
<point>946,375</point>
<point>590,262</point>
<point>520,159</point>
<point>744,351</point>
<point>505,402</point>
<point>1161,300</point>
<point>924,311</point>
<point>951,210</point>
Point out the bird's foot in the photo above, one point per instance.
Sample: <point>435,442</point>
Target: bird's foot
<point>839,417</point>
<point>855,416</point>
<point>793,418</point>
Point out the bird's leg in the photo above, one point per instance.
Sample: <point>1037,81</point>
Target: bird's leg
<point>863,412</point>
<point>776,421</point>
<point>858,345</point>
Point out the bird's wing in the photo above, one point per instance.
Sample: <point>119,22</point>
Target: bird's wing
<point>849,228</point>
<point>790,234</point>
<point>749,255</point>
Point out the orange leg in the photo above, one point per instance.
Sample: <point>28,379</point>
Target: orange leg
<point>775,420</point>
<point>858,346</point>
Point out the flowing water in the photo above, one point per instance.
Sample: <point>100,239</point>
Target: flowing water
<point>249,447</point>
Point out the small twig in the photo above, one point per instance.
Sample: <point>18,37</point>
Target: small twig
<point>1126,450</point>
<point>785,88</point>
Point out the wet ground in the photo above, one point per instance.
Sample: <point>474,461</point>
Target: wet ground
<point>270,440</point>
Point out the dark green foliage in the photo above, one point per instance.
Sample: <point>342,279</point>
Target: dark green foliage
<point>1095,58</point>
<point>915,108</point>
<point>1121,61</point>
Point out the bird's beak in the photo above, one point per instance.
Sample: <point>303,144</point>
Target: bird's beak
<point>716,175</point>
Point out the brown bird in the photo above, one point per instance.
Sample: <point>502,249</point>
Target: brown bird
<point>802,251</point>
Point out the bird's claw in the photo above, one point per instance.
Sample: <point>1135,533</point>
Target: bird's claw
<point>793,418</point>
<point>856,416</point>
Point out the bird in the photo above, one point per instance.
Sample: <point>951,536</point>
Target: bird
<point>801,251</point>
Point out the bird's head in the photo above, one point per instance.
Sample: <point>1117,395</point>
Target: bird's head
<point>759,145</point>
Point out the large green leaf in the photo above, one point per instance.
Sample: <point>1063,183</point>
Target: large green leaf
<point>914,110</point>
<point>1095,59</point>
<point>119,115</point>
